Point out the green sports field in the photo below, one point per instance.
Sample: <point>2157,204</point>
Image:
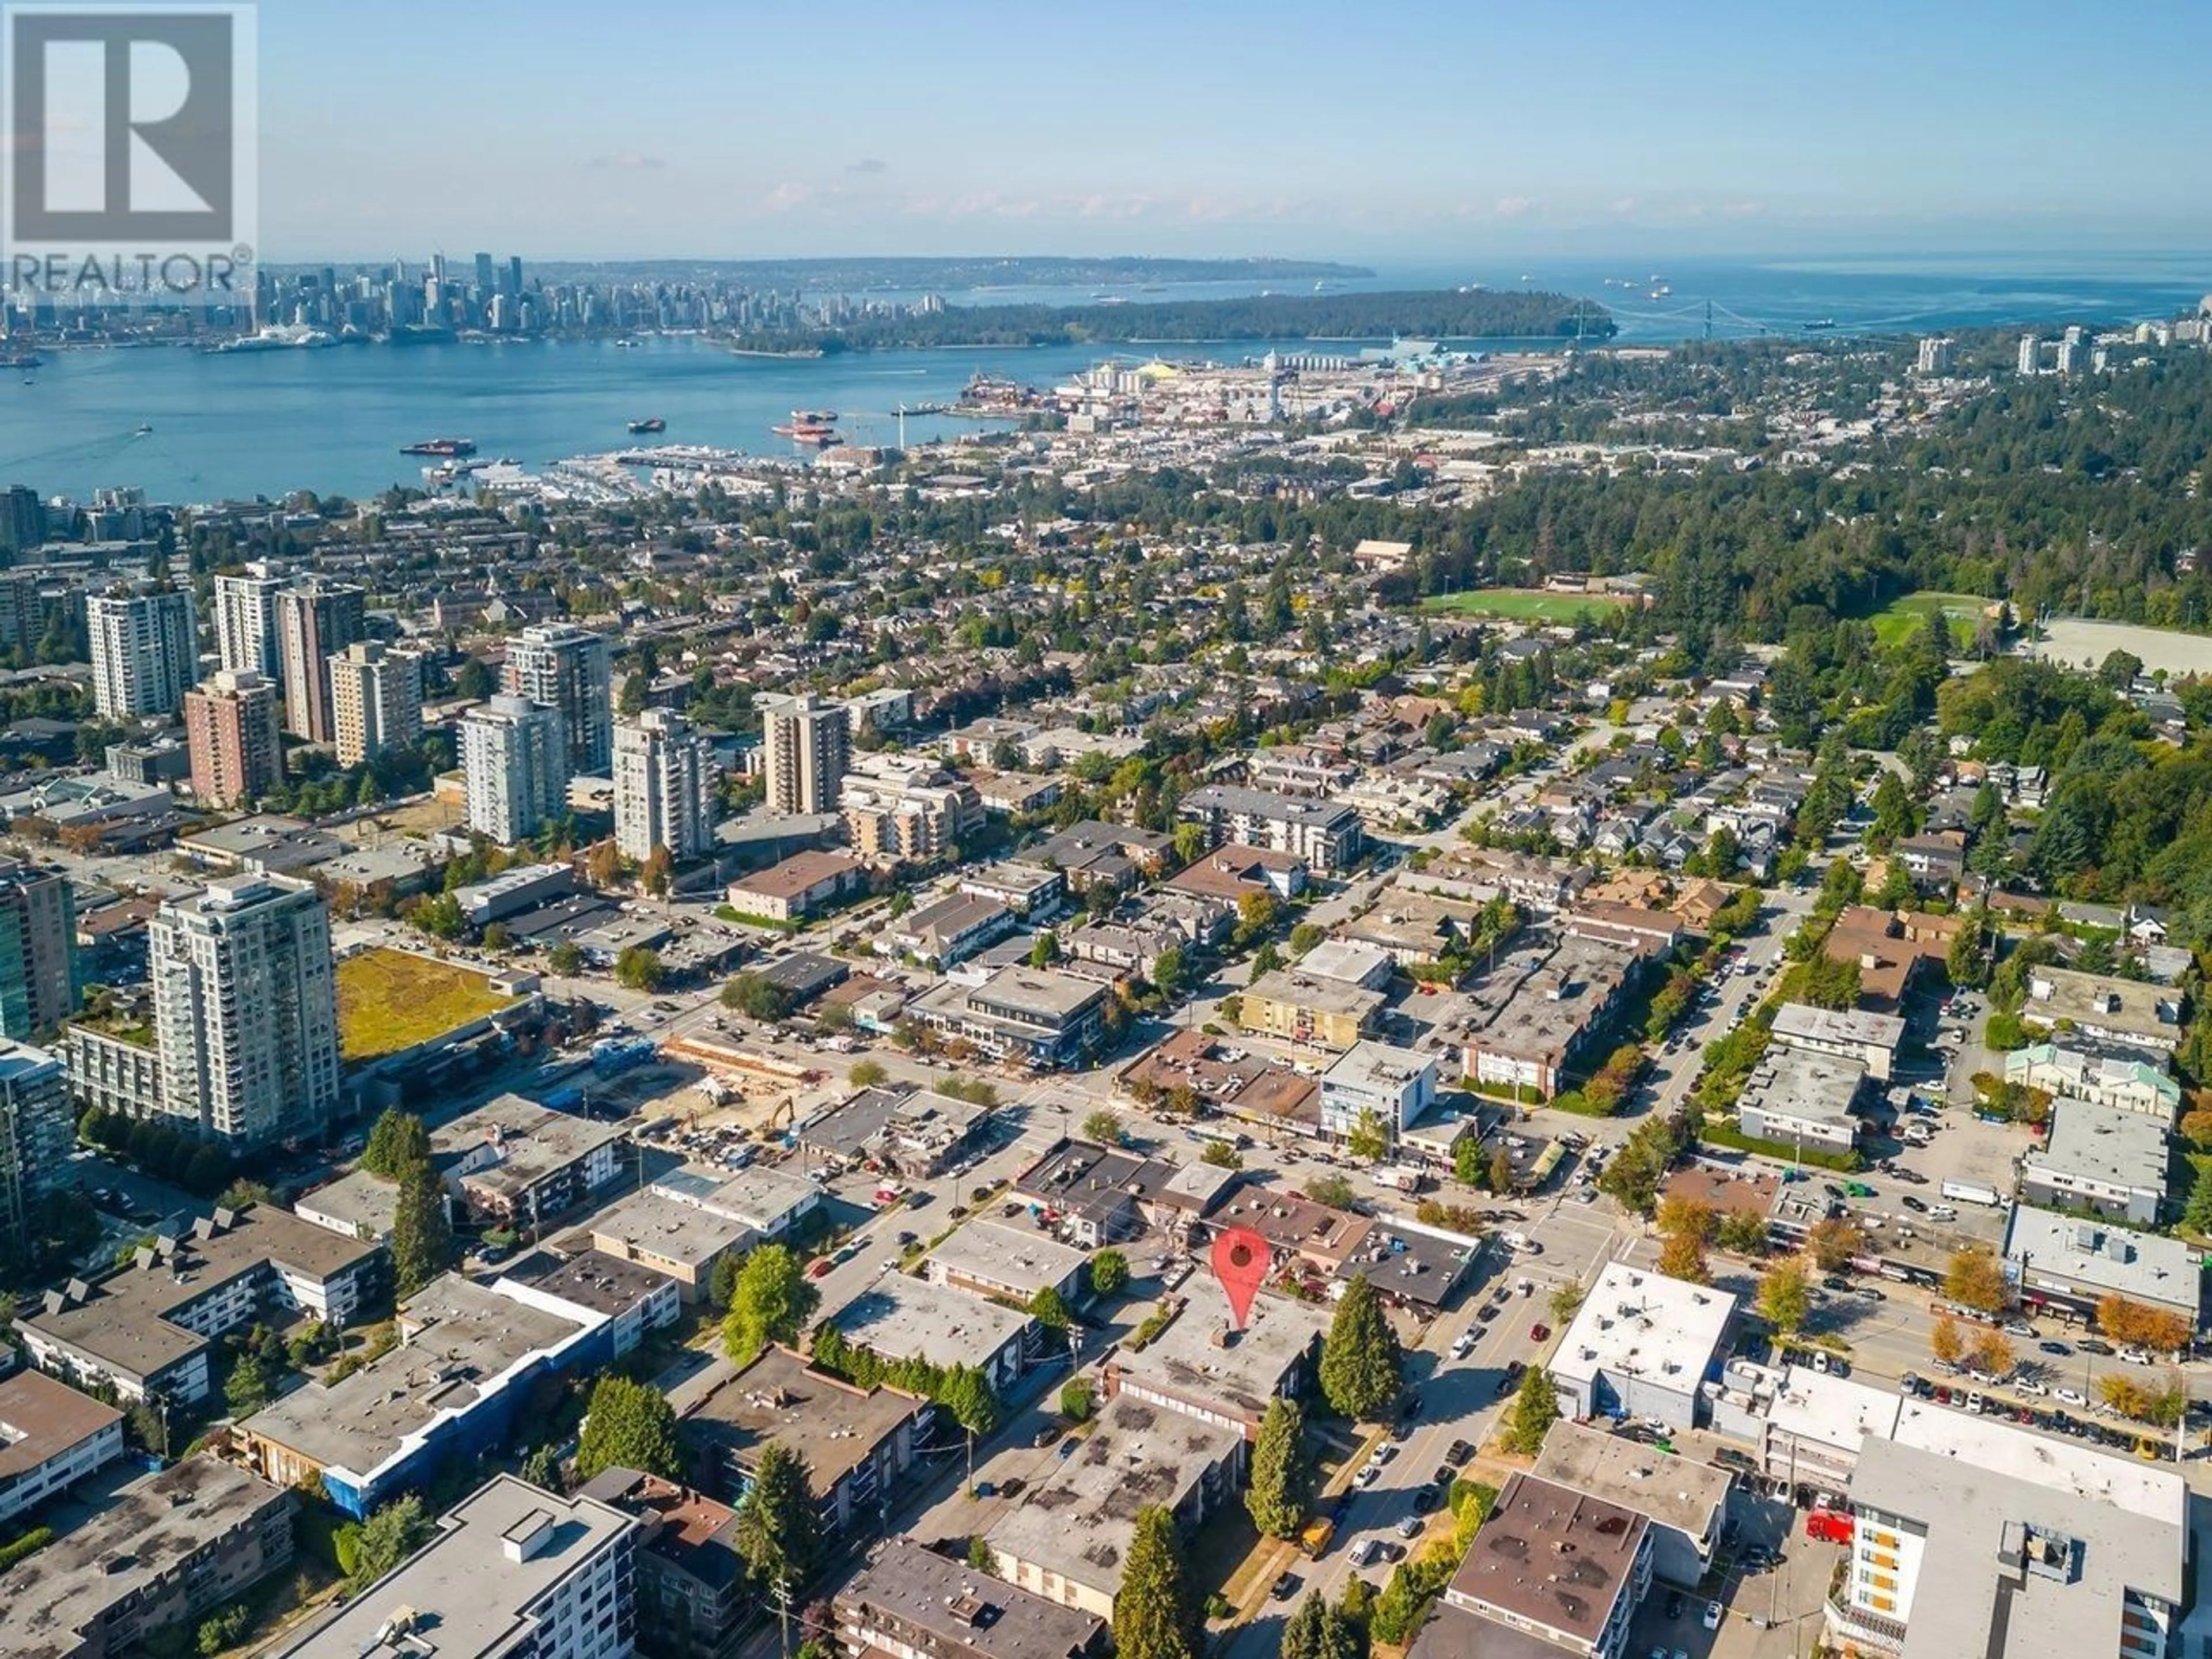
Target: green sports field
<point>1524,604</point>
<point>1897,620</point>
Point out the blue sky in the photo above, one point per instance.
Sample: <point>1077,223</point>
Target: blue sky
<point>1390,130</point>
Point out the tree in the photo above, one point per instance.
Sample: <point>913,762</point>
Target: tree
<point>1044,951</point>
<point>771,1302</point>
<point>2197,1127</point>
<point>869,1074</point>
<point>2196,1216</point>
<point>398,1140</point>
<point>1535,1409</point>
<point>1109,1272</point>
<point>422,1228</point>
<point>1686,1217</point>
<point>1946,1341</point>
<point>1368,1138</point>
<point>1050,1310</point>
<point>778,1529</point>
<point>1967,961</point>
<point>1833,1242</point>
<point>1281,1492</point>
<point>1167,971</point>
<point>1265,960</point>
<point>1104,1127</point>
<point>639,969</point>
<point>1500,1172</point>
<point>756,997</point>
<point>1565,1302</point>
<point>658,872</point>
<point>1992,1352</point>
<point>542,1469</point>
<point>1222,1155</point>
<point>1076,1399</point>
<point>566,959</point>
<point>1155,1614</point>
<point>603,864</point>
<point>1785,1295</point>
<point>630,1425</point>
<point>1976,1279</point>
<point>1743,1233</point>
<point>2142,1327</point>
<point>439,916</point>
<point>1362,1364</point>
<point>389,1536</point>
<point>1683,1256</point>
<point>1469,1167</point>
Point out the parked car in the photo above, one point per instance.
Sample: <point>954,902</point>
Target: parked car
<point>2093,1345</point>
<point>1712,1618</point>
<point>2058,1348</point>
<point>1284,1587</point>
<point>1410,1527</point>
<point>1542,1333</point>
<point>1363,1553</point>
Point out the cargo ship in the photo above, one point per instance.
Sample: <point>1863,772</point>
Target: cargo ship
<point>650,424</point>
<point>440,447</point>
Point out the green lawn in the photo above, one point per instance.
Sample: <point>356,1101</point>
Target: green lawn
<point>1523,604</point>
<point>1897,619</point>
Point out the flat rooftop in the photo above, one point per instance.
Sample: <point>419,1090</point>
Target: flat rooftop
<point>1293,987</point>
<point>1370,1066</point>
<point>1799,1083</point>
<point>2107,1144</point>
<point>41,1419</point>
<point>1187,1361</point>
<point>1020,1257</point>
<point>152,1525</point>
<point>901,1317</point>
<point>357,1199</point>
<point>1344,959</point>
<point>1538,999</point>
<point>1638,1322</point>
<point>1077,1520</point>
<point>2148,1266</point>
<point>465,1587</point>
<point>1830,1410</point>
<point>1675,1491</point>
<point>605,1285</point>
<point>870,1117</point>
<point>669,1228</point>
<point>460,1337</point>
<point>762,1197</point>
<point>1554,1556</point>
<point>1024,990</point>
<point>1980,1496</point>
<point>961,1608</point>
<point>2125,1008</point>
<point>834,1426</point>
<point>534,1141</point>
<point>1801,1022</point>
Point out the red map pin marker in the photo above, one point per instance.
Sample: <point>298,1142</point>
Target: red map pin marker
<point>1241,1259</point>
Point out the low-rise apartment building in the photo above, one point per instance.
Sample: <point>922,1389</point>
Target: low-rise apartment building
<point>2103,1158</point>
<point>1327,839</point>
<point>51,1437</point>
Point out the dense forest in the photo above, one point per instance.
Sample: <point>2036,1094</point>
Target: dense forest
<point>1442,315</point>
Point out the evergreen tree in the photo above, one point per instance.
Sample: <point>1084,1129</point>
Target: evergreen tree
<point>1155,1615</point>
<point>422,1228</point>
<point>2197,1217</point>
<point>398,1140</point>
<point>1362,1363</point>
<point>630,1425</point>
<point>1281,1492</point>
<point>1536,1408</point>
<point>779,1530</point>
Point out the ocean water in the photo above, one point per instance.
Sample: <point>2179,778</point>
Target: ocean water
<point>334,421</point>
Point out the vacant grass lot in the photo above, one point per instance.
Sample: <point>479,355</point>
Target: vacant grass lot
<point>1524,605</point>
<point>1901,617</point>
<point>390,999</point>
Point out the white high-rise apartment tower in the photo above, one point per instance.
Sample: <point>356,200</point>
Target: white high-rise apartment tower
<point>515,768</point>
<point>664,786</point>
<point>244,1009</point>
<point>567,668</point>
<point>246,620</point>
<point>145,652</point>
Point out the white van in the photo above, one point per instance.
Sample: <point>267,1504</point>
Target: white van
<point>1943,1212</point>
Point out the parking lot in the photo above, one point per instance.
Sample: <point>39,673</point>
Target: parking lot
<point>1767,1611</point>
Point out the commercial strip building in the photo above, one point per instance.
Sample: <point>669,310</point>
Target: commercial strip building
<point>1374,1081</point>
<point>914,1133</point>
<point>988,1258</point>
<point>515,1572</point>
<point>908,1601</point>
<point>1972,1536</point>
<point>1872,1039</point>
<point>51,1437</point>
<point>1034,1015</point>
<point>230,733</point>
<point>246,1010</point>
<point>1642,1344</point>
<point>1067,1539</point>
<point>2067,1264</point>
<point>152,1327</point>
<point>2105,1159</point>
<point>168,1550</point>
<point>469,1359</point>
<point>2122,1012</point>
